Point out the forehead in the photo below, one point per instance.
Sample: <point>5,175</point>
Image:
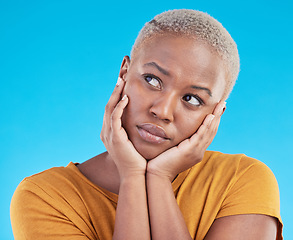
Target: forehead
<point>186,59</point>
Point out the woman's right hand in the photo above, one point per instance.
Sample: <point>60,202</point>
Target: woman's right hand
<point>128,161</point>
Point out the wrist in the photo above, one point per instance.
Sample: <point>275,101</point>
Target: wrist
<point>163,176</point>
<point>132,176</point>
<point>130,171</point>
<point>163,171</point>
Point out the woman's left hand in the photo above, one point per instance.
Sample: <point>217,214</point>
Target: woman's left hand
<point>190,151</point>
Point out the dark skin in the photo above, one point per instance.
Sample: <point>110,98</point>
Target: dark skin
<point>175,84</point>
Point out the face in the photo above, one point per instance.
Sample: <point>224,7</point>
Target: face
<point>172,84</point>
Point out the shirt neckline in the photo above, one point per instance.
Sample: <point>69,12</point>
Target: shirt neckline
<point>113,196</point>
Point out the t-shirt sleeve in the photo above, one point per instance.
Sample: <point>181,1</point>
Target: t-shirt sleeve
<point>255,191</point>
<point>33,216</point>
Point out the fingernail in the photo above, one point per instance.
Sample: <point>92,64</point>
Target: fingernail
<point>119,81</point>
<point>124,97</point>
<point>224,106</point>
<point>220,108</point>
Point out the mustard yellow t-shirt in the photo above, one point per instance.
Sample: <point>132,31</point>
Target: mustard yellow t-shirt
<point>61,203</point>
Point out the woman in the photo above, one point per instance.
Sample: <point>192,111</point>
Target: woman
<point>156,180</point>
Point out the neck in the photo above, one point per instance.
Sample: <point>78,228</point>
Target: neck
<point>102,171</point>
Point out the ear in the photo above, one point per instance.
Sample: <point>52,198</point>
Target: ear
<point>124,68</point>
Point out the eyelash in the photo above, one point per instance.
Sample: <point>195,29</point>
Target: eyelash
<point>152,77</point>
<point>201,102</point>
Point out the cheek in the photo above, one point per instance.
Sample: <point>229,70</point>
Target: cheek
<point>131,88</point>
<point>190,123</point>
<point>137,101</point>
<point>137,92</point>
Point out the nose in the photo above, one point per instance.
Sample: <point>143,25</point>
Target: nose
<point>164,107</point>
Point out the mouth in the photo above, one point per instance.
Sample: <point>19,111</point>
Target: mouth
<point>152,133</point>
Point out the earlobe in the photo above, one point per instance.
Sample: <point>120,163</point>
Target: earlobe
<point>124,67</point>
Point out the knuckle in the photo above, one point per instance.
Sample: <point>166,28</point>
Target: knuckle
<point>107,107</point>
<point>114,114</point>
<point>102,137</point>
<point>190,152</point>
<point>115,141</point>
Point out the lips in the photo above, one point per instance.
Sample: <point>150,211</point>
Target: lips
<point>152,133</point>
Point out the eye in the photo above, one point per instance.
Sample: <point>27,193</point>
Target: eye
<point>193,99</point>
<point>153,81</point>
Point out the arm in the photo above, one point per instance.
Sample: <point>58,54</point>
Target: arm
<point>166,219</point>
<point>132,212</point>
<point>245,226</point>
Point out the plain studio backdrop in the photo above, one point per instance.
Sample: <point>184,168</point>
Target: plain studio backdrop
<point>59,62</point>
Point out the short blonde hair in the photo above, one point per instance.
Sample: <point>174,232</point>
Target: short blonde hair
<point>200,25</point>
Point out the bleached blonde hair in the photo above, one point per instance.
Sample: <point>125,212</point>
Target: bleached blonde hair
<point>198,25</point>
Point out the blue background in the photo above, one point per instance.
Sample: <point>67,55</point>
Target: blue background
<point>59,61</point>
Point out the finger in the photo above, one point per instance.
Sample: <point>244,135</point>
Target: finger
<point>114,122</point>
<point>214,124</point>
<point>116,94</point>
<point>212,121</point>
<point>218,112</point>
<point>212,131</point>
<point>203,128</point>
<point>220,108</point>
<point>114,98</point>
<point>208,129</point>
<point>118,112</point>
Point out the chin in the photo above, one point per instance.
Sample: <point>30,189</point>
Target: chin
<point>150,156</point>
<point>149,152</point>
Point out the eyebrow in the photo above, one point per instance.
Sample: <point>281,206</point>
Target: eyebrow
<point>202,88</point>
<point>162,70</point>
<point>165,72</point>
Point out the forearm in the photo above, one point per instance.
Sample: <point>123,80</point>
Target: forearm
<point>166,219</point>
<point>132,213</point>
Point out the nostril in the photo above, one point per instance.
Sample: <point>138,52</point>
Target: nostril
<point>154,114</point>
<point>166,120</point>
<point>162,111</point>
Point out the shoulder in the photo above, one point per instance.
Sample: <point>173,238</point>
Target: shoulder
<point>241,171</point>
<point>237,166</point>
<point>227,185</point>
<point>55,201</point>
<point>251,186</point>
<point>228,173</point>
<point>242,184</point>
<point>52,177</point>
<point>47,186</point>
<point>220,158</point>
